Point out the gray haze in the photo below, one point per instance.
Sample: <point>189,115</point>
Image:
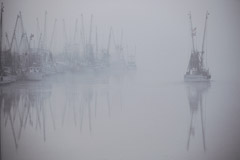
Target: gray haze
<point>145,114</point>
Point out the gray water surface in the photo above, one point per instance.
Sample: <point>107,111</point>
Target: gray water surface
<point>119,117</point>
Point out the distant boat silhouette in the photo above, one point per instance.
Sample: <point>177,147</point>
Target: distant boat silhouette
<point>197,70</point>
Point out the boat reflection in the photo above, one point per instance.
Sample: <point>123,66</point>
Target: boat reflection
<point>41,108</point>
<point>197,103</point>
<point>83,99</point>
<point>25,106</point>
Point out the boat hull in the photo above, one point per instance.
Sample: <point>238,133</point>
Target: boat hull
<point>33,76</point>
<point>196,78</point>
<point>7,79</point>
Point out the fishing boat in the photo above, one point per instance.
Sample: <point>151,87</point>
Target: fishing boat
<point>5,76</point>
<point>197,70</point>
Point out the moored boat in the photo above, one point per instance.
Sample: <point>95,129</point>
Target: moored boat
<point>197,70</point>
<point>5,77</point>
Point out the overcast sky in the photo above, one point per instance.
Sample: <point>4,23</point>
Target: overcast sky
<point>158,28</point>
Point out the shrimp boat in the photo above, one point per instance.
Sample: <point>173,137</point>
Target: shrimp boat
<point>5,75</point>
<point>197,70</point>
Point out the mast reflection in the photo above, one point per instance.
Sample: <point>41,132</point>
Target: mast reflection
<point>82,99</point>
<point>196,97</point>
<point>28,106</point>
<point>23,107</point>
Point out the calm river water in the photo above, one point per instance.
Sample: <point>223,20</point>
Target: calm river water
<point>119,117</point>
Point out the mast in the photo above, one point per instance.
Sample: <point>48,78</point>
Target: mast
<point>1,30</point>
<point>121,39</point>
<point>90,51</point>
<point>83,32</point>
<point>121,47</point>
<point>83,36</point>
<point>54,26</point>
<point>75,31</point>
<point>75,48</point>
<point>38,29</point>
<point>45,31</point>
<point>23,32</point>
<point>96,43</point>
<point>192,33</point>
<point>204,36</point>
<point>109,40</point>
<point>14,32</point>
<point>65,35</point>
<point>90,33</point>
<point>7,39</point>
<point>39,42</point>
<point>11,44</point>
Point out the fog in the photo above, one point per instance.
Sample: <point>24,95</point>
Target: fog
<point>159,29</point>
<point>148,113</point>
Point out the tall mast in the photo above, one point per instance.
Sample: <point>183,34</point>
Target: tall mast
<point>83,36</point>
<point>45,31</point>
<point>90,33</point>
<point>192,34</point>
<point>109,40</point>
<point>83,32</point>
<point>65,35</point>
<point>24,33</point>
<point>121,47</point>
<point>7,39</point>
<point>38,29</point>
<point>54,26</point>
<point>204,36</point>
<point>1,29</point>
<point>75,31</point>
<point>64,30</point>
<point>121,38</point>
<point>14,33</point>
<point>74,39</point>
<point>11,44</point>
<point>96,43</point>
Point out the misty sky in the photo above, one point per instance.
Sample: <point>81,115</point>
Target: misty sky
<point>158,28</point>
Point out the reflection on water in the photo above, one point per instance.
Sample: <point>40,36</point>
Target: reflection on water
<point>116,117</point>
<point>197,103</point>
<point>30,105</point>
<point>25,106</point>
